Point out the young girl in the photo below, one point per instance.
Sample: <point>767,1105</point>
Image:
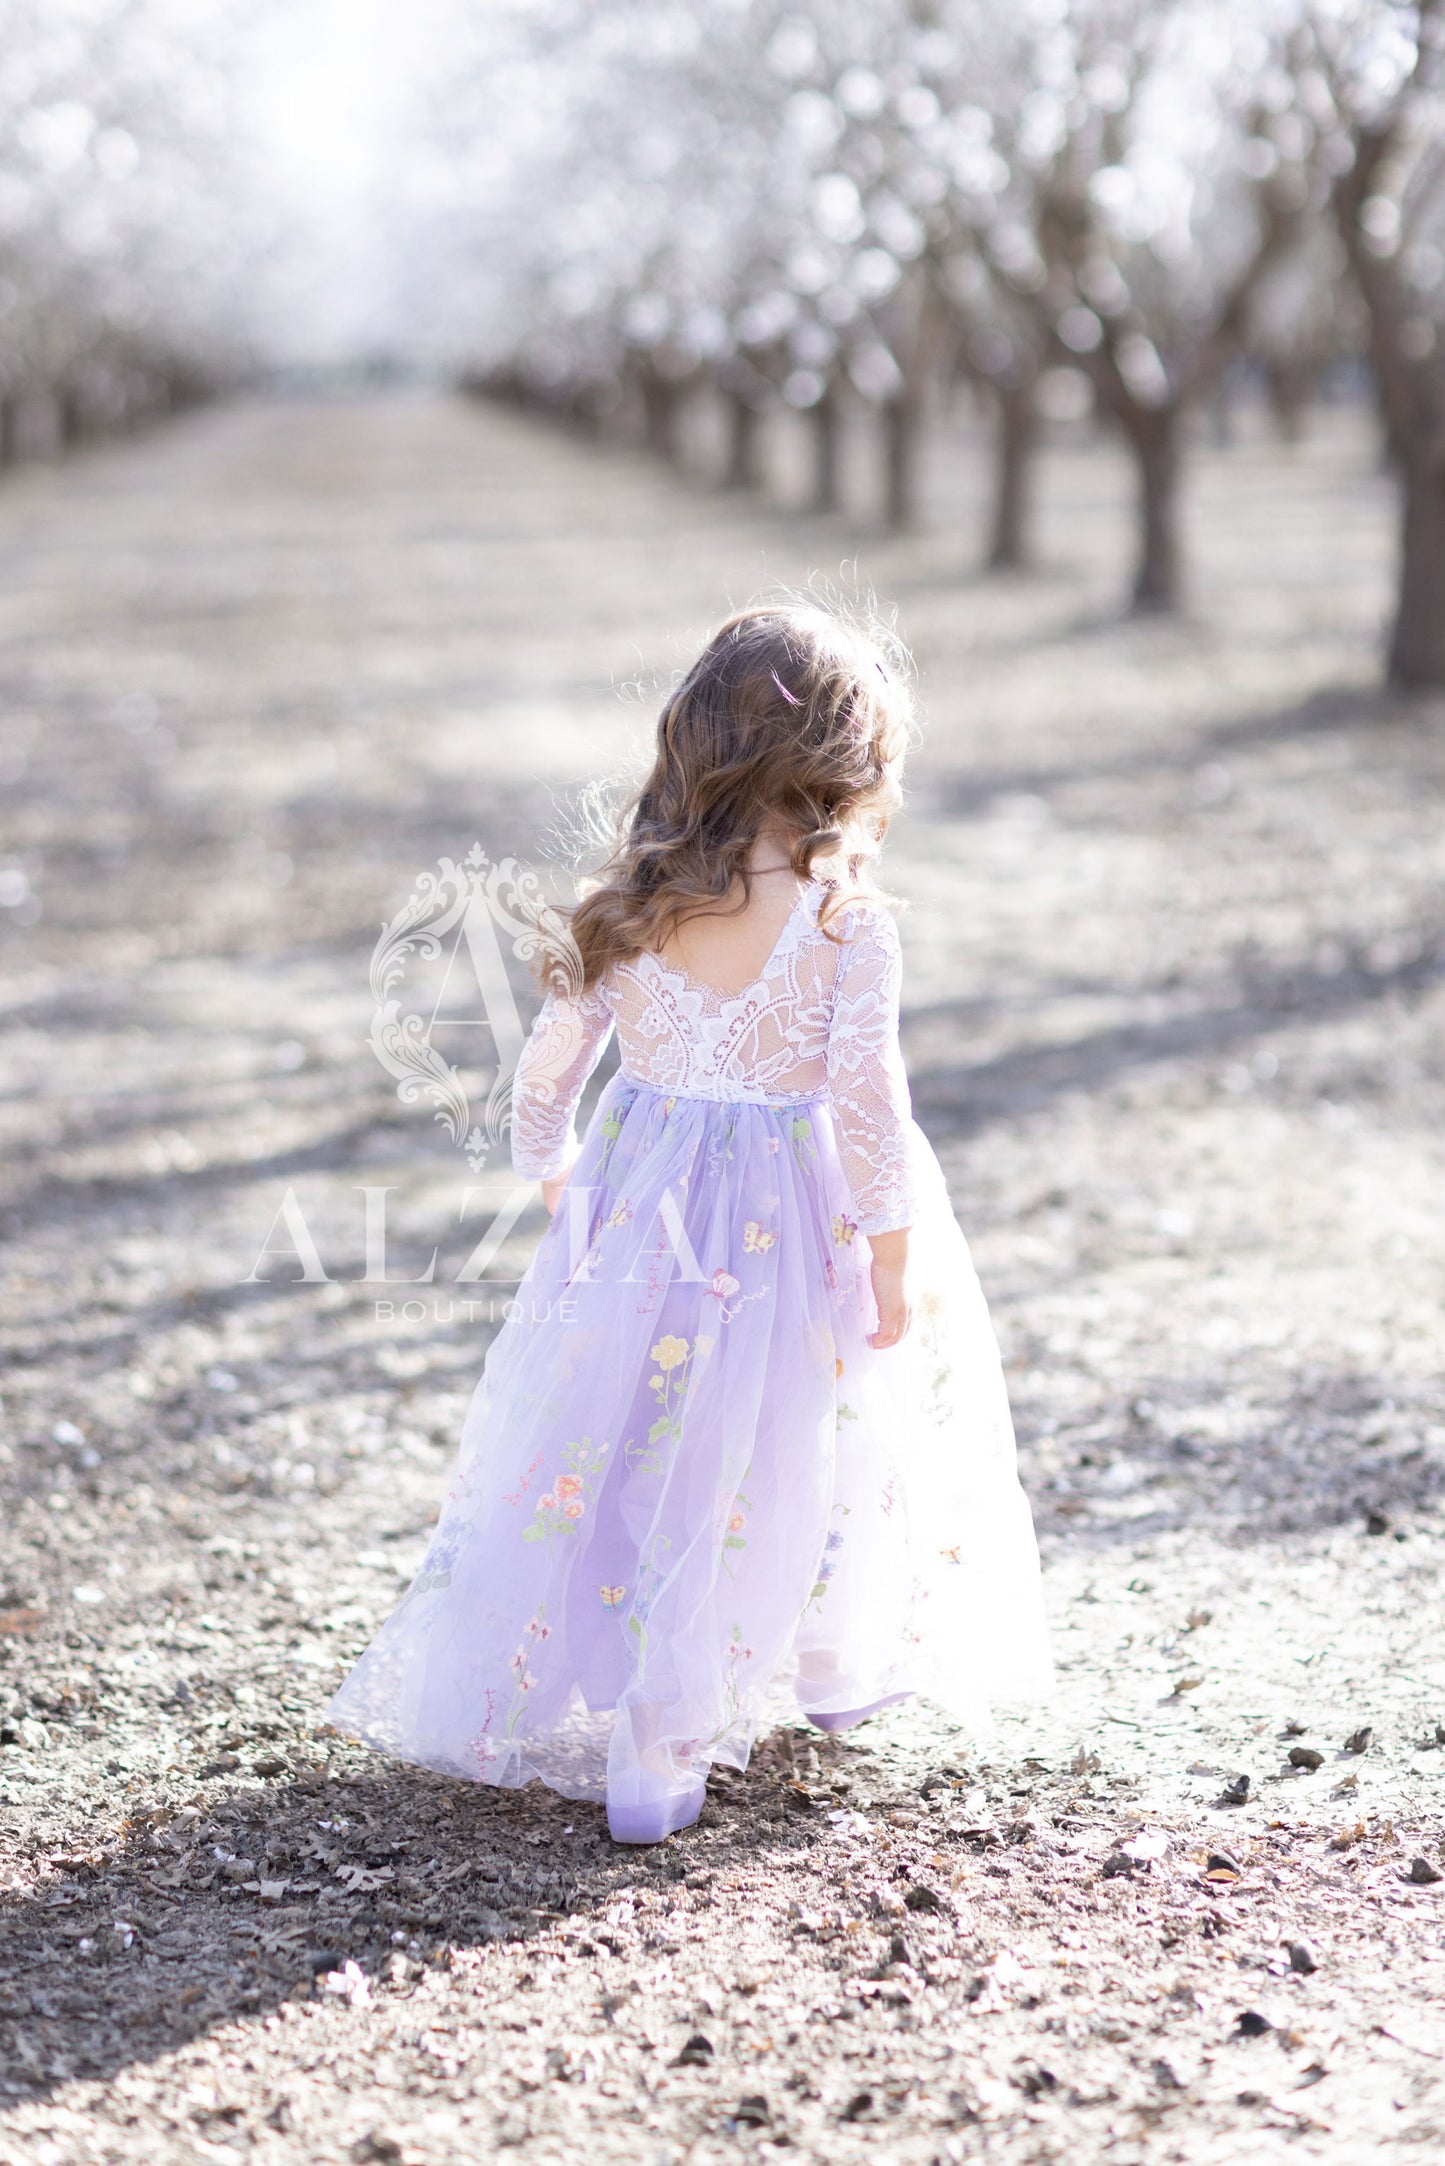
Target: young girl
<point>746,1433</point>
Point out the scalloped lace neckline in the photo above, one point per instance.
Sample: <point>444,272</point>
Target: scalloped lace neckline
<point>685,978</point>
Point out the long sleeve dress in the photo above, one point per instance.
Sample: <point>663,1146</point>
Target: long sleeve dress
<point>690,1495</point>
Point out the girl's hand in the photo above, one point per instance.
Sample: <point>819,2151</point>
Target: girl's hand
<point>553,1192</point>
<point>891,1290</point>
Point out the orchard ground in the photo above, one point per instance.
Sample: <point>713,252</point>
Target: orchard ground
<point>1175,1005</point>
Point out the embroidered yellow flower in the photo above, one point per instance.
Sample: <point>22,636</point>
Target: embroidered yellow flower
<point>669,1352</point>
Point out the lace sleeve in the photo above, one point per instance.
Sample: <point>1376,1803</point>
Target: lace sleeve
<point>866,1077</point>
<point>566,1044</point>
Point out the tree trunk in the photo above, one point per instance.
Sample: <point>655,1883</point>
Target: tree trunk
<point>71,411</point>
<point>826,418</point>
<point>1289,388</point>
<point>1153,437</point>
<point>900,448</point>
<point>1016,423</point>
<point>1417,643</point>
<point>1219,410</point>
<point>742,464</point>
<point>659,406</point>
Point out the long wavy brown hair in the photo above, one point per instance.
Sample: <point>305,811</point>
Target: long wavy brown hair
<point>794,718</point>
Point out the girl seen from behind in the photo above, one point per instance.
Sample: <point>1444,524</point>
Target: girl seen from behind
<point>744,1445</point>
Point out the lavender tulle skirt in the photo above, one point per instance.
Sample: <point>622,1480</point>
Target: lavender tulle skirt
<point>690,1497</point>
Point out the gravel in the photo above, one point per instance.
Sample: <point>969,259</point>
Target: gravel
<point>1176,994</point>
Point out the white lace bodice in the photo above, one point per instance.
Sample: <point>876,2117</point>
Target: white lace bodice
<point>821,1019</point>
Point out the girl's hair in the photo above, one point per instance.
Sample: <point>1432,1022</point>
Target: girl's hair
<point>792,718</point>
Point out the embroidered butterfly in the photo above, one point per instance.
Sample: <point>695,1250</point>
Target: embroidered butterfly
<point>612,1597</point>
<point>755,1241</point>
<point>844,1230</point>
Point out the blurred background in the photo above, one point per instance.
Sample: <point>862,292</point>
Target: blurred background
<point>392,399</point>
<point>778,245</point>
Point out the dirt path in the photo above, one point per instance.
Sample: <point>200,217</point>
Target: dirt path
<point>1176,1000</point>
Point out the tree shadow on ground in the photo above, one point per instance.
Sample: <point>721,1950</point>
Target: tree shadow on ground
<point>959,1099</point>
<point>1334,711</point>
<point>341,1885</point>
<point>1300,1457</point>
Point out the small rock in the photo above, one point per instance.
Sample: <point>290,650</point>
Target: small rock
<point>921,1897</point>
<point>1302,1958</point>
<point>753,2112</point>
<point>1236,1792</point>
<point>268,1767</point>
<point>1423,1874</point>
<point>1181,1685</point>
<point>385,2150</point>
<point>697,2053</point>
<point>1294,1729</point>
<point>1376,1523</point>
<point>859,2106</point>
<point>1305,1756</point>
<point>1117,1866</point>
<point>1440,1733</point>
<point>1219,1861</point>
<point>1251,2024</point>
<point>1360,1740</point>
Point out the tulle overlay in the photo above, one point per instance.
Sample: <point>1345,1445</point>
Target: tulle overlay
<point>690,1493</point>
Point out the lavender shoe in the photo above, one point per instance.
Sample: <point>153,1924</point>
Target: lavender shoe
<point>853,1715</point>
<point>647,1808</point>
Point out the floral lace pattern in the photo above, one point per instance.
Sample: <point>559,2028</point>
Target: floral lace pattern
<point>820,1019</point>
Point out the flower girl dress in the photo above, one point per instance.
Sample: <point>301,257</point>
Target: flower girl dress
<point>688,1488</point>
